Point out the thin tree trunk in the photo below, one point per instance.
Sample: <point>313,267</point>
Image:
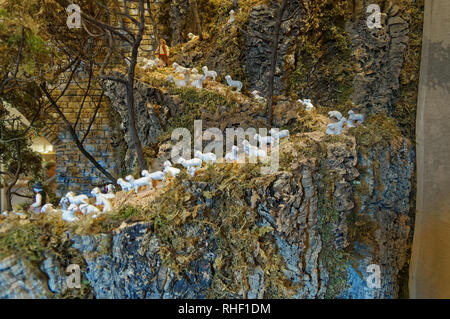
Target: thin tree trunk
<point>130,89</point>
<point>273,66</point>
<point>197,18</point>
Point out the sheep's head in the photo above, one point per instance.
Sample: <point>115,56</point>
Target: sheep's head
<point>129,178</point>
<point>145,172</point>
<point>95,191</point>
<point>205,68</point>
<point>228,77</point>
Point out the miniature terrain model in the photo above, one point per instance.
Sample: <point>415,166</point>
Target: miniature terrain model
<point>231,149</point>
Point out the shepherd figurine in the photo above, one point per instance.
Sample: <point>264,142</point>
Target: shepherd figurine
<point>163,52</point>
<point>40,198</point>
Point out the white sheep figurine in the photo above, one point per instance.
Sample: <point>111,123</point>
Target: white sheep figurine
<point>87,209</point>
<point>236,84</point>
<point>265,140</point>
<point>77,200</point>
<point>208,157</point>
<point>198,83</point>
<point>155,176</point>
<point>336,128</point>
<point>180,69</point>
<point>308,104</point>
<point>195,162</point>
<point>150,64</point>
<point>171,171</point>
<point>253,151</point>
<point>209,74</point>
<point>178,82</point>
<point>233,155</point>
<point>192,37</point>
<point>278,135</point>
<point>335,114</point>
<point>258,98</point>
<point>69,213</point>
<point>48,209</point>
<point>138,183</point>
<point>103,199</point>
<point>354,119</point>
<point>232,18</point>
<point>124,185</point>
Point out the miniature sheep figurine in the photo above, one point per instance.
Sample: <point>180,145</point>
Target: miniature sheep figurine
<point>195,162</point>
<point>69,214</point>
<point>354,118</point>
<point>141,182</point>
<point>87,209</point>
<point>232,156</point>
<point>258,98</point>
<point>335,114</point>
<point>232,18</point>
<point>198,83</point>
<point>156,176</point>
<point>208,157</point>
<point>124,185</point>
<point>253,151</point>
<point>192,37</point>
<point>77,200</point>
<point>103,199</point>
<point>308,104</point>
<point>48,209</point>
<point>209,74</point>
<point>150,64</point>
<point>336,128</point>
<point>279,135</point>
<point>237,84</point>
<point>264,140</point>
<point>171,171</point>
<point>179,69</point>
<point>178,82</point>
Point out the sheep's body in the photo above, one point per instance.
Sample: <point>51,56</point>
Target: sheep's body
<point>124,185</point>
<point>232,156</point>
<point>335,114</point>
<point>336,128</point>
<point>209,74</point>
<point>236,84</point>
<point>48,209</point>
<point>198,83</point>
<point>354,118</point>
<point>253,151</point>
<point>69,214</point>
<point>208,157</point>
<point>141,182</point>
<point>180,69</point>
<point>87,209</point>
<point>77,200</point>
<point>264,140</point>
<point>171,171</point>
<point>178,82</point>
<point>103,199</point>
<point>156,176</point>
<point>150,64</point>
<point>195,162</point>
